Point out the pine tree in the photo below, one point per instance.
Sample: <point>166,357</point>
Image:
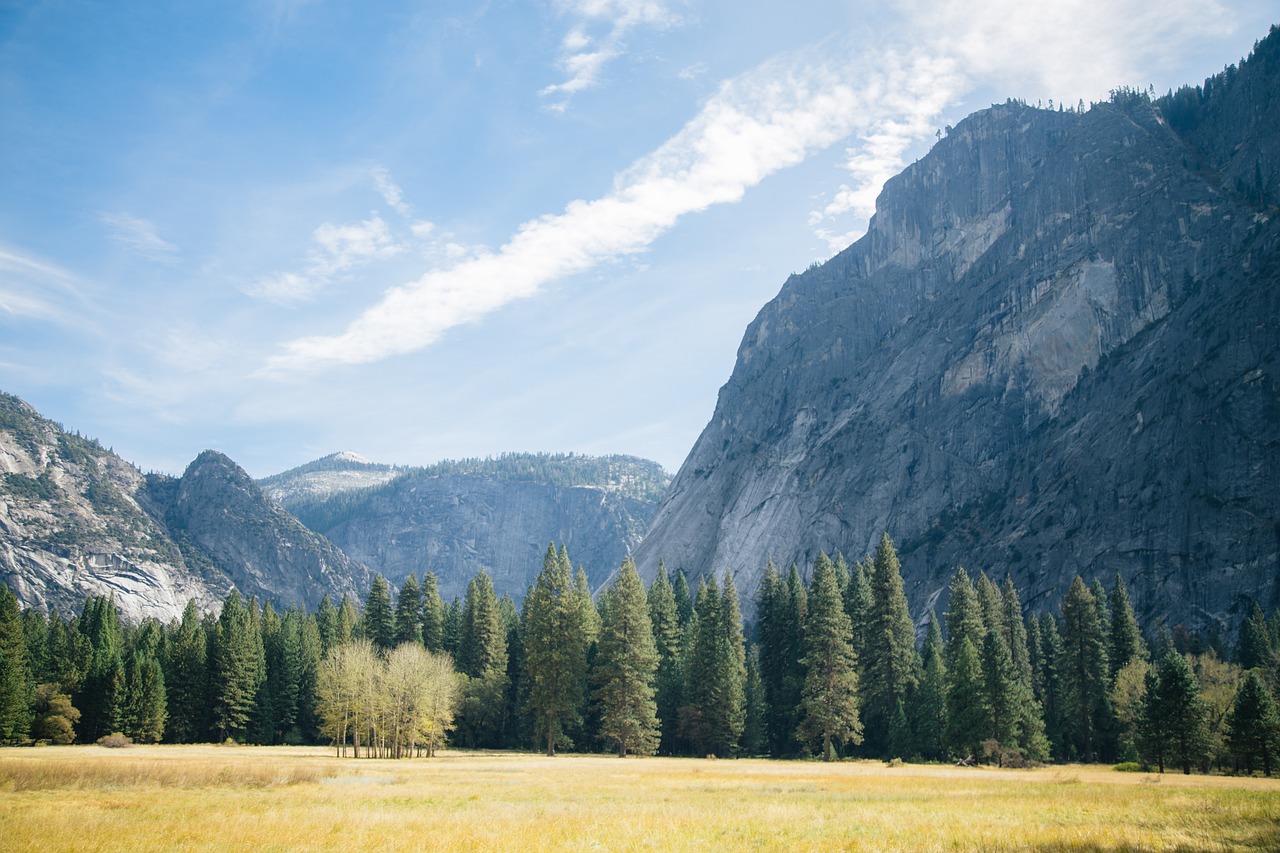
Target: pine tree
<point>781,606</point>
<point>348,619</point>
<point>728,712</point>
<point>327,623</point>
<point>187,678</point>
<point>1083,670</point>
<point>101,696</point>
<point>1051,656</point>
<point>857,603</point>
<point>310,653</point>
<point>1256,647</point>
<point>966,714</point>
<point>889,660</point>
<point>829,699</point>
<point>451,627</point>
<point>237,668</point>
<point>1253,726</point>
<point>755,740</point>
<point>432,614</point>
<point>1173,727</point>
<point>1124,640</point>
<point>409,612</point>
<point>145,708</point>
<point>626,666</point>
<point>929,702</point>
<point>684,601</point>
<point>665,622</point>
<point>379,622</point>
<point>16,690</point>
<point>555,649</point>
<point>482,656</point>
<point>998,700</point>
<point>964,616</point>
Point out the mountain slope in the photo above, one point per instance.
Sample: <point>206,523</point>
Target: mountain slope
<point>77,520</point>
<point>456,518</point>
<point>1054,352</point>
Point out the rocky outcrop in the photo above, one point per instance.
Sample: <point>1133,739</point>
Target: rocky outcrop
<point>77,520</point>
<point>263,549</point>
<point>345,471</point>
<point>498,515</point>
<point>1053,353</point>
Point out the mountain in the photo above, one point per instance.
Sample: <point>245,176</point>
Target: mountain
<point>456,518</point>
<point>77,520</point>
<point>1054,352</point>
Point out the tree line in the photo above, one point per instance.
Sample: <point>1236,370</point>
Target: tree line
<point>832,668</point>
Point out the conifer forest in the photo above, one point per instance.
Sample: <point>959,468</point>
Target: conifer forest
<point>834,666</point>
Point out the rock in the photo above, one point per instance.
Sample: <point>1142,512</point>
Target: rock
<point>1053,353</point>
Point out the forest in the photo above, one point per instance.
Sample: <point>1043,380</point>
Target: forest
<point>834,666</point>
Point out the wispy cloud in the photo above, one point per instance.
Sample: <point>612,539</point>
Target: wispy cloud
<point>597,36</point>
<point>139,236</point>
<point>34,289</point>
<point>755,125</point>
<point>1069,49</point>
<point>335,249</point>
<point>390,192</point>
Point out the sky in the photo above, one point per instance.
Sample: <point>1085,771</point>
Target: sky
<point>436,230</point>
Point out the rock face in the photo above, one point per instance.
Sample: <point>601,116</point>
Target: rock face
<point>336,473</point>
<point>1053,353</point>
<point>499,515</point>
<point>77,520</point>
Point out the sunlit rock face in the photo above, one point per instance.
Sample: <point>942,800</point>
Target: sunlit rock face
<point>1053,353</point>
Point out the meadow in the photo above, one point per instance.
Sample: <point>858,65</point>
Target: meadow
<point>283,798</point>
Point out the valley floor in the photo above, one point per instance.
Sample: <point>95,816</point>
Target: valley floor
<point>284,798</point>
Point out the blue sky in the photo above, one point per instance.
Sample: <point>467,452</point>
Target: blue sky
<point>436,230</point>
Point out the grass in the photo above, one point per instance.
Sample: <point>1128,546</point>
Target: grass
<point>282,798</point>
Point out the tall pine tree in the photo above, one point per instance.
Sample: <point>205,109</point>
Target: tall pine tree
<point>889,659</point>
<point>556,643</point>
<point>626,666</point>
<point>829,699</point>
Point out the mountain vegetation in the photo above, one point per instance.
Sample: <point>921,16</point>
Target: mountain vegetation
<point>1002,685</point>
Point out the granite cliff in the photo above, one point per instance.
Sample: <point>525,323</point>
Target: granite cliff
<point>1053,353</point>
<point>456,518</point>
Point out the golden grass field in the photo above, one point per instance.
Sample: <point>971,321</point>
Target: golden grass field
<point>283,798</point>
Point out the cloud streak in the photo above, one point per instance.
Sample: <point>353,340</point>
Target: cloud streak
<point>584,55</point>
<point>139,236</point>
<point>757,124</point>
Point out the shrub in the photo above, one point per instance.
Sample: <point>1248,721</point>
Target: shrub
<point>1128,767</point>
<point>115,740</point>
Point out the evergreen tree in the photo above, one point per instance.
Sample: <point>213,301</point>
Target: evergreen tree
<point>755,740</point>
<point>889,660</point>
<point>1051,656</point>
<point>237,668</point>
<point>1173,727</point>
<point>781,608</point>
<point>15,677</point>
<point>451,628</point>
<point>327,624</point>
<point>310,653</point>
<point>409,612</point>
<point>665,622</point>
<point>187,678</point>
<point>1255,647</point>
<point>101,696</point>
<point>857,603</point>
<point>1124,641</point>
<point>145,708</point>
<point>55,716</point>
<point>929,702</point>
<point>684,601</point>
<point>348,618</point>
<point>482,656</point>
<point>829,699</point>
<point>556,646</point>
<point>1083,670</point>
<point>1016,634</point>
<point>964,616</point>
<point>714,713</point>
<point>1253,726</point>
<point>432,614</point>
<point>998,700</point>
<point>626,666</point>
<point>966,714</point>
<point>379,622</point>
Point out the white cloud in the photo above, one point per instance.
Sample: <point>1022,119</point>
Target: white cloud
<point>390,191</point>
<point>336,249</point>
<point>37,290</point>
<point>584,55</point>
<point>767,120</point>
<point>139,236</point>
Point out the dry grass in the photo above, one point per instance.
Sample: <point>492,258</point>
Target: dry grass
<point>218,798</point>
